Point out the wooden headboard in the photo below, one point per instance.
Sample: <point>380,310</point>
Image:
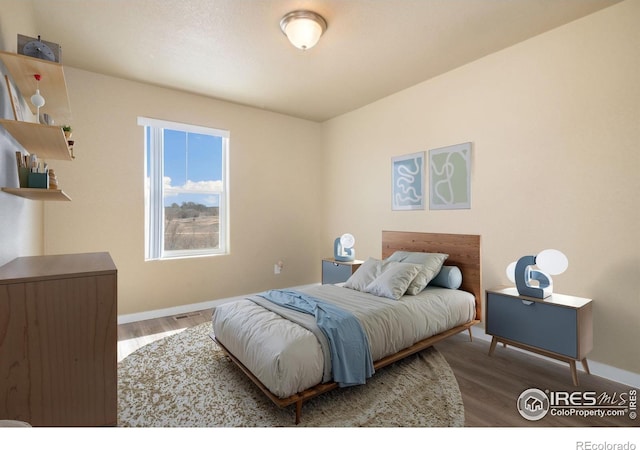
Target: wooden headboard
<point>463,251</point>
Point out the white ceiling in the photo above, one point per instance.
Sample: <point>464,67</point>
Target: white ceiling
<point>234,50</point>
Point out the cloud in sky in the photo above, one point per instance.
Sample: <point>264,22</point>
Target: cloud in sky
<point>192,187</point>
<point>191,191</point>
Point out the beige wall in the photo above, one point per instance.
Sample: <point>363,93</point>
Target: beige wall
<point>275,189</point>
<point>555,126</point>
<point>16,18</point>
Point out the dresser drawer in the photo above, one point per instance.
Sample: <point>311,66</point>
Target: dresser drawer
<point>538,324</point>
<point>333,272</point>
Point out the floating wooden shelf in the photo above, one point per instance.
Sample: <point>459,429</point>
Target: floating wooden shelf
<point>53,86</point>
<point>39,194</point>
<point>46,141</point>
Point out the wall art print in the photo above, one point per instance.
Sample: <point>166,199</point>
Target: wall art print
<point>450,177</point>
<point>408,181</point>
<point>15,101</point>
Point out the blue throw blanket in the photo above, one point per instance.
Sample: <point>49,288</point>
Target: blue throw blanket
<point>351,360</point>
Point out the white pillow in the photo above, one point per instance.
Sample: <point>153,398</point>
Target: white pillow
<point>431,264</point>
<point>364,275</point>
<point>394,280</point>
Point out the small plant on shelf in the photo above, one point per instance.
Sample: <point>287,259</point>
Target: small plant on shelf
<point>67,131</point>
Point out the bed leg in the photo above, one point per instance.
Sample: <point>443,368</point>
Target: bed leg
<point>298,411</point>
<point>470,335</point>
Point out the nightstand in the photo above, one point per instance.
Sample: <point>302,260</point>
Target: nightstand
<point>559,326</point>
<point>338,271</point>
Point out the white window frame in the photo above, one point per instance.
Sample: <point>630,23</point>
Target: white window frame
<point>154,191</point>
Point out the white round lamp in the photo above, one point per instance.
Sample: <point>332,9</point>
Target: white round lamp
<point>343,248</point>
<point>550,262</point>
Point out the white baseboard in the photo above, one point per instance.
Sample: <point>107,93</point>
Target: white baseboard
<point>174,311</point>
<point>595,367</point>
<point>183,309</point>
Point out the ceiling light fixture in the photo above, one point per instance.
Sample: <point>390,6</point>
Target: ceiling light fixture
<point>303,28</point>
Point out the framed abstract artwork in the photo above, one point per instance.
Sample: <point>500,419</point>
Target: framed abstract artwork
<point>15,101</point>
<point>450,177</point>
<point>407,179</point>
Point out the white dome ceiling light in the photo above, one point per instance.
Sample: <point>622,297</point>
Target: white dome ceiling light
<point>303,28</point>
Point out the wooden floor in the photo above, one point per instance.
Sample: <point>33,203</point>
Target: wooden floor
<point>490,386</point>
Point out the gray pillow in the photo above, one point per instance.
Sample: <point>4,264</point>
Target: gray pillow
<point>364,275</point>
<point>449,277</point>
<point>394,280</point>
<point>431,264</point>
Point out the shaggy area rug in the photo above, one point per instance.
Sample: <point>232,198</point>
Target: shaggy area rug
<point>185,380</point>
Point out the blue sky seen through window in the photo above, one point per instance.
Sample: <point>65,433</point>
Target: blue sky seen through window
<point>192,168</point>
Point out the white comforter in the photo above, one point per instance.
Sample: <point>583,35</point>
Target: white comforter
<point>288,358</point>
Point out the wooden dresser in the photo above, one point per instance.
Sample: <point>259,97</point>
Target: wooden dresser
<point>58,340</point>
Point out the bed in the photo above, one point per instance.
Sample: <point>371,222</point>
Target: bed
<point>290,359</point>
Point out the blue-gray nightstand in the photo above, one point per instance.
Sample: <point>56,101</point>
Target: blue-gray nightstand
<point>338,271</point>
<point>559,326</point>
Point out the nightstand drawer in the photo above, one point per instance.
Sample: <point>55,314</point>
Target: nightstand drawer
<point>337,272</point>
<point>538,324</point>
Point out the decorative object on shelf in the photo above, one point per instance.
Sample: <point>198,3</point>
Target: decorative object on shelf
<point>37,99</point>
<point>46,119</point>
<point>15,101</point>
<point>53,180</point>
<point>550,261</point>
<point>407,178</point>
<point>38,180</point>
<point>68,131</point>
<point>303,28</point>
<point>343,248</point>
<point>23,169</point>
<point>450,177</point>
<point>37,48</point>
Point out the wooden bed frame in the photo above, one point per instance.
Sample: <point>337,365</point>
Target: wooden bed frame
<point>463,251</point>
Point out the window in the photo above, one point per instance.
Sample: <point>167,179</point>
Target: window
<point>185,190</point>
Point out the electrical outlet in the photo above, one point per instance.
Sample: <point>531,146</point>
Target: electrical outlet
<point>277,267</point>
